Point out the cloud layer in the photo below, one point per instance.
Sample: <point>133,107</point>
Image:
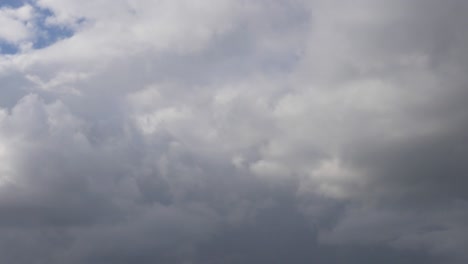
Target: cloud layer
<point>267,131</point>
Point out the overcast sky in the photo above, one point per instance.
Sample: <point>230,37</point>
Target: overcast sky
<point>233,131</point>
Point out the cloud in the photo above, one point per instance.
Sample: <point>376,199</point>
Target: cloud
<point>17,26</point>
<point>234,132</point>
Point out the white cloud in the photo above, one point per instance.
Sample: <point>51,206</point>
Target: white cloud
<point>17,24</point>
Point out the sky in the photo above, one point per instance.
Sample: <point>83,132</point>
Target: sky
<point>233,131</point>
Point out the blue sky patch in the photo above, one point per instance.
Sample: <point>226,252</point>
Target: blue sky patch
<point>7,48</point>
<point>49,34</point>
<point>45,34</point>
<point>12,3</point>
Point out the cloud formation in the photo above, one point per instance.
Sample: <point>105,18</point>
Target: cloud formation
<point>266,131</point>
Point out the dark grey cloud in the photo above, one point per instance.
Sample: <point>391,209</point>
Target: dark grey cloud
<point>238,132</point>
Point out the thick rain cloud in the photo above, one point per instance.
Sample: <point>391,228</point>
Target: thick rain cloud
<point>265,131</point>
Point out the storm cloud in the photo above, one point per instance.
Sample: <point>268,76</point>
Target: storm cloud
<point>264,131</point>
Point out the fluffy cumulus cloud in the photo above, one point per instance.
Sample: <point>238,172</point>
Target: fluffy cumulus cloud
<point>227,131</point>
<point>16,24</point>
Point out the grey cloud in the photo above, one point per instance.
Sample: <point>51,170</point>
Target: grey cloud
<point>413,157</point>
<point>258,132</point>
